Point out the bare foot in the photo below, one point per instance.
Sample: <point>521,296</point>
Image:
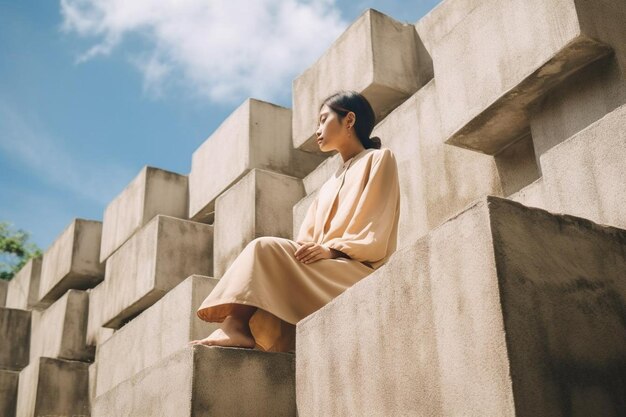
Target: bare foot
<point>232,333</point>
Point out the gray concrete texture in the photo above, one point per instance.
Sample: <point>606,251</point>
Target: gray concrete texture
<point>208,381</point>
<point>15,327</point>
<point>389,61</point>
<point>72,261</point>
<point>154,191</point>
<point>501,311</point>
<point>154,260</point>
<point>260,204</point>
<point>256,135</point>
<point>54,387</point>
<point>96,334</point>
<point>8,392</point>
<point>23,289</point>
<point>508,63</point>
<point>60,330</point>
<point>164,328</point>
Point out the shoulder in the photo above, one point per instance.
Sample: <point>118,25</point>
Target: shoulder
<point>382,155</point>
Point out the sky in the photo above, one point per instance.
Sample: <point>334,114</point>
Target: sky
<point>91,91</point>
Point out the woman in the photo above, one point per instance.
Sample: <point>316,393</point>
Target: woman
<point>349,230</point>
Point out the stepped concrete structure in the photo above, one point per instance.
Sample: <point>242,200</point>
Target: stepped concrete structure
<point>505,297</point>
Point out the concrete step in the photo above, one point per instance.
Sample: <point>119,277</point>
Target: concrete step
<point>256,135</point>
<point>206,381</point>
<point>585,175</point>
<point>53,387</point>
<point>60,330</point>
<point>15,327</point>
<point>260,204</point>
<point>96,333</point>
<point>154,191</point>
<point>72,261</point>
<point>158,257</point>
<point>390,64</point>
<point>8,392</point>
<point>164,328</point>
<point>503,310</point>
<point>23,289</point>
<point>498,57</point>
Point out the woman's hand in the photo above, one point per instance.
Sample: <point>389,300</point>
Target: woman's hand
<point>311,252</point>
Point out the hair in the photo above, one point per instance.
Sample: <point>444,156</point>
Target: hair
<point>345,101</point>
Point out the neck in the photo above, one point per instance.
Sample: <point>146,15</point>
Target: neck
<point>351,152</point>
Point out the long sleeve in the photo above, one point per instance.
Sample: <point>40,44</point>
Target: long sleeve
<point>307,228</point>
<point>368,234</point>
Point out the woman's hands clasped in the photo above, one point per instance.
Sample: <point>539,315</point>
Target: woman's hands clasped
<point>310,252</point>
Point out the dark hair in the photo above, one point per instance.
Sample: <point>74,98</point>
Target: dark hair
<point>345,101</point>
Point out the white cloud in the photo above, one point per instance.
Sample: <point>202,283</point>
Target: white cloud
<point>222,49</point>
<point>31,146</point>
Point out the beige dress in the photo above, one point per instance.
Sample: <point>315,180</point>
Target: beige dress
<point>356,212</point>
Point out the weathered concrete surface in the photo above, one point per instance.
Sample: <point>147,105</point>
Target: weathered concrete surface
<point>157,332</point>
<point>15,328</point>
<point>585,175</point>
<point>60,330</point>
<point>501,311</point>
<point>4,288</point>
<point>256,135</point>
<point>8,392</point>
<point>96,334</point>
<point>299,212</point>
<point>208,381</point>
<point>532,195</point>
<point>436,180</point>
<point>23,289</point>
<point>154,191</point>
<point>93,374</point>
<point>319,175</point>
<point>511,53</point>
<point>72,261</point>
<point>154,260</point>
<point>53,387</point>
<point>389,62</point>
<point>260,204</point>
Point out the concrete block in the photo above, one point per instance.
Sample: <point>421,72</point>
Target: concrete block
<point>255,135</point>
<point>501,311</point>
<point>96,334</point>
<point>23,289</point>
<point>157,332</point>
<point>54,387</point>
<point>15,328</point>
<point>209,381</point>
<point>93,374</point>
<point>436,180</point>
<point>320,175</point>
<point>154,191</point>
<point>260,204</point>
<point>501,56</point>
<point>390,64</point>
<point>8,392</point>
<point>584,176</point>
<point>299,212</point>
<point>72,261</point>
<point>4,288</point>
<point>532,195</point>
<point>154,260</point>
<point>60,330</point>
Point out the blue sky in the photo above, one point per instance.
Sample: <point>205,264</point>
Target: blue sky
<point>93,90</point>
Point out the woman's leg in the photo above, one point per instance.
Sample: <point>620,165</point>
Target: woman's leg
<point>234,330</point>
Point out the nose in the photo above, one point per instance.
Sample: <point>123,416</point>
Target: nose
<point>318,132</point>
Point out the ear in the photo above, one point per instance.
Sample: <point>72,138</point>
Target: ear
<point>351,118</point>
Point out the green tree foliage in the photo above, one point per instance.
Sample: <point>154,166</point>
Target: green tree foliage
<point>15,250</point>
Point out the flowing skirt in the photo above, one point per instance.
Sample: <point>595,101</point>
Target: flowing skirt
<point>267,275</point>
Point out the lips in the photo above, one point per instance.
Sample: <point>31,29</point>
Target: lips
<point>319,140</point>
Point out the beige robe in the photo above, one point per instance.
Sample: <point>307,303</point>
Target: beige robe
<point>356,212</point>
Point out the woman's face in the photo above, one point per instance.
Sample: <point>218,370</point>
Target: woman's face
<point>331,134</point>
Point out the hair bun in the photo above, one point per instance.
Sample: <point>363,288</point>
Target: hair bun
<point>376,142</point>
